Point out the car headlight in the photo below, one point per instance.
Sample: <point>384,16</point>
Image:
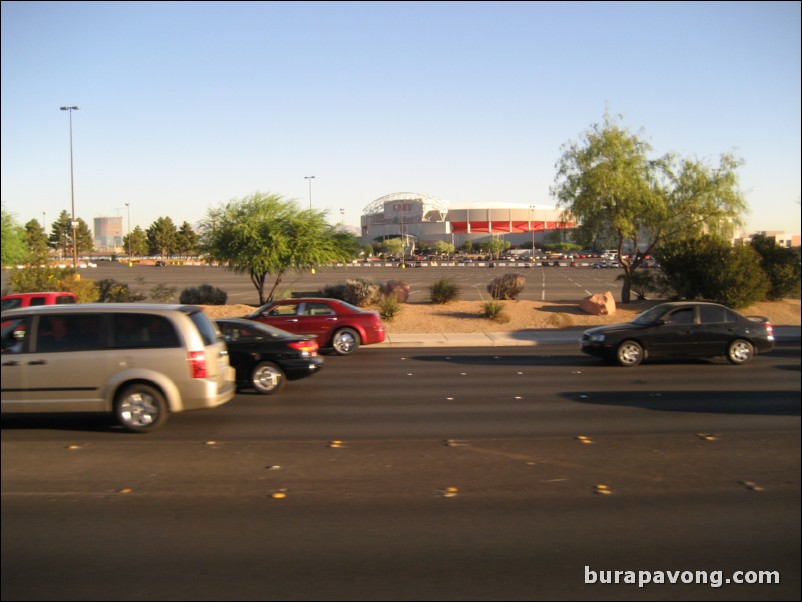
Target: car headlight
<point>596,338</point>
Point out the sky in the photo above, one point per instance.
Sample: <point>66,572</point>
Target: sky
<point>188,105</point>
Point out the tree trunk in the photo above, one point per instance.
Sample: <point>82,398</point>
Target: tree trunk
<point>626,289</point>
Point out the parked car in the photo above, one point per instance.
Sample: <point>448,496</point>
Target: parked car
<point>17,300</point>
<point>690,329</point>
<point>337,324</point>
<point>266,357</point>
<point>140,362</point>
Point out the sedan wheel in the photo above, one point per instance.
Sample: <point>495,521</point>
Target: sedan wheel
<point>345,341</point>
<point>141,408</point>
<point>740,351</point>
<point>267,378</point>
<point>629,353</point>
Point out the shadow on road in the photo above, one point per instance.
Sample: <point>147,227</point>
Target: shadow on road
<point>764,403</point>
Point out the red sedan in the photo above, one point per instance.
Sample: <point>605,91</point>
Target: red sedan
<point>337,324</point>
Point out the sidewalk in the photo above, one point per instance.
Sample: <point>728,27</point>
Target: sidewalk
<point>520,338</point>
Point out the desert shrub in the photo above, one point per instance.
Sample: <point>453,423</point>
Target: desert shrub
<point>357,291</point>
<point>507,286</point>
<point>389,307</point>
<point>444,290</point>
<point>494,310</point>
<point>205,294</point>
<point>113,291</point>
<point>331,291</point>
<point>161,293</point>
<point>397,289</point>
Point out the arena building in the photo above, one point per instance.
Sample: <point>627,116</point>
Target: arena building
<point>427,218</point>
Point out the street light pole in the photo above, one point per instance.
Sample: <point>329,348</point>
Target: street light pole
<point>72,194</point>
<point>310,178</point>
<point>531,228</point>
<point>128,207</point>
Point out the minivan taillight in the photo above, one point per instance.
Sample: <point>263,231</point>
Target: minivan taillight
<point>769,330</point>
<point>197,364</point>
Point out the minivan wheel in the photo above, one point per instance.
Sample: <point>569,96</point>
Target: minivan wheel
<point>141,408</point>
<point>629,353</point>
<point>345,341</point>
<point>740,351</point>
<point>267,378</point>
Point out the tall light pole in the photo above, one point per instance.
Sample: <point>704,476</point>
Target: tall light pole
<point>72,195</point>
<point>342,218</point>
<point>310,178</point>
<point>128,207</point>
<point>531,228</point>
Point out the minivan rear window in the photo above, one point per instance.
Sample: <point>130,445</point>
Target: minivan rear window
<point>205,327</point>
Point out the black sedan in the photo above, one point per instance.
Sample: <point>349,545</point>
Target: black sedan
<point>265,357</point>
<point>689,329</point>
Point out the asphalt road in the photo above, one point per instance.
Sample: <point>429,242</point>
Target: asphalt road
<point>701,459</point>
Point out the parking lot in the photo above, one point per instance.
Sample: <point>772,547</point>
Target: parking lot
<point>542,283</point>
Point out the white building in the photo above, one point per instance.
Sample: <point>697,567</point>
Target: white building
<point>427,218</point>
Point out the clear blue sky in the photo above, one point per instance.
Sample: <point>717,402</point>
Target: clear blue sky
<point>184,105</point>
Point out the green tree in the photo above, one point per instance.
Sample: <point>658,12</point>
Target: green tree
<point>61,234</point>
<point>712,269</point>
<point>608,183</point>
<point>136,243</point>
<point>36,240</point>
<point>264,234</point>
<point>442,247</point>
<point>781,266</point>
<point>13,245</point>
<point>494,246</point>
<point>186,240</point>
<point>393,247</point>
<point>162,237</point>
<point>86,242</point>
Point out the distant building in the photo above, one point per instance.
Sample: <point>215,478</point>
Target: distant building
<point>427,218</point>
<point>108,234</point>
<point>781,238</point>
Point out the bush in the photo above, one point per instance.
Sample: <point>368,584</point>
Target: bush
<point>507,286</point>
<point>205,294</point>
<point>389,307</point>
<point>161,293</point>
<point>112,291</point>
<point>359,292</point>
<point>494,310</point>
<point>36,279</point>
<point>443,291</point>
<point>397,289</point>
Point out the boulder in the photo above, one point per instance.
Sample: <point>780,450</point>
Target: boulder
<point>600,304</point>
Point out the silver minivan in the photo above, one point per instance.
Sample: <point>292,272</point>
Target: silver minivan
<point>140,362</point>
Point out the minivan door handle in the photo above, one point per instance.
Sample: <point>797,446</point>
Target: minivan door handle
<point>12,363</point>
<point>37,363</point>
